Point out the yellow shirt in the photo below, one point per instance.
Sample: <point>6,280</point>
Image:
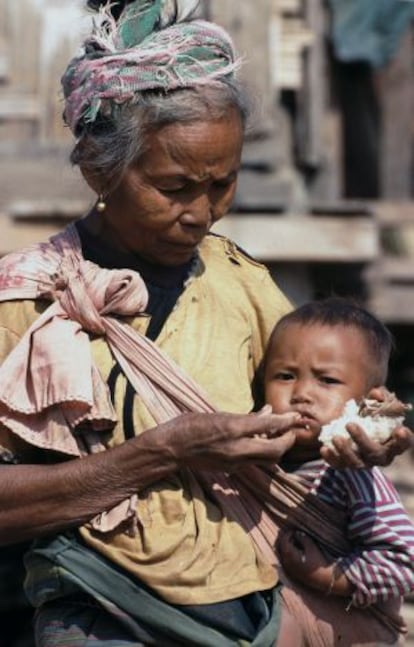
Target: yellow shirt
<point>186,549</point>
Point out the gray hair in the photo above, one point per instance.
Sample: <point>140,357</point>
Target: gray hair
<point>110,145</point>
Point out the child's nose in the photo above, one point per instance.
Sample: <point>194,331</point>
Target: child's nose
<point>302,393</point>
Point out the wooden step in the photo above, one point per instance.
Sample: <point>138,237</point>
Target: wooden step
<point>393,303</point>
<point>303,238</point>
<point>46,211</point>
<point>19,107</point>
<point>267,237</point>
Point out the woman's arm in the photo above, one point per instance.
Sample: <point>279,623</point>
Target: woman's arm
<point>37,500</point>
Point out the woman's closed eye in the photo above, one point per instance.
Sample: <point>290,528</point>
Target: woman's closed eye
<point>223,184</point>
<point>175,188</point>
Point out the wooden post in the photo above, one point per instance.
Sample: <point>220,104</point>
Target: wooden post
<point>248,23</point>
<point>319,124</point>
<point>397,104</point>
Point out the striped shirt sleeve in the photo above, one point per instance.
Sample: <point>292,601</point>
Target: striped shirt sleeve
<point>381,564</point>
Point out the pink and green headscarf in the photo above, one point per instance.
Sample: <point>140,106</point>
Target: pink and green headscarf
<point>154,46</point>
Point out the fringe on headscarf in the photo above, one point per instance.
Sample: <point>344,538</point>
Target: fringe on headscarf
<point>153,46</point>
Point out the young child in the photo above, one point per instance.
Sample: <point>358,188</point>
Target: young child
<point>320,356</point>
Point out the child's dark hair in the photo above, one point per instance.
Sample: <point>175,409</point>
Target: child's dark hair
<point>337,311</point>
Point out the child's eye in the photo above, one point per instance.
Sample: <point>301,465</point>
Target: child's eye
<point>326,379</point>
<point>284,376</point>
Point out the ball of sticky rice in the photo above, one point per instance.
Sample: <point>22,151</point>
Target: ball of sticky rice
<point>378,428</point>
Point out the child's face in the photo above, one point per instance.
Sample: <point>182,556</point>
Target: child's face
<point>314,369</point>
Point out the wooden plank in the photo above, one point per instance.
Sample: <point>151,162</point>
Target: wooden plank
<point>397,269</point>
<point>51,125</point>
<point>24,38</point>
<point>290,6</point>
<point>4,54</point>
<point>289,36</point>
<point>393,303</point>
<point>19,107</point>
<point>4,68</point>
<point>398,212</point>
<point>312,97</point>
<point>249,27</point>
<point>303,238</point>
<point>14,237</point>
<point>272,238</point>
<point>397,107</point>
<point>31,211</point>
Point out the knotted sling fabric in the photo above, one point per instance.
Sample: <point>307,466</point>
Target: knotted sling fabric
<point>50,385</point>
<point>154,46</point>
<point>41,373</point>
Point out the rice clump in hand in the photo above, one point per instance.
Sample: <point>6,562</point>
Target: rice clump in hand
<point>377,419</point>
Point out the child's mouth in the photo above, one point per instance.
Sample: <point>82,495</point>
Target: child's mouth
<point>306,422</point>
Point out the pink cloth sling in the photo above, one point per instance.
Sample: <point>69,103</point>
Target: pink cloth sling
<point>50,387</point>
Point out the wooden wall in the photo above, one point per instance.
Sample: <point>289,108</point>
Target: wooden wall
<point>32,58</point>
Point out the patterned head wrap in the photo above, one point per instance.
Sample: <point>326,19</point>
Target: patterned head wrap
<point>153,46</point>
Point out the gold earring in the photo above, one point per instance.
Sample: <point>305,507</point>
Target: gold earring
<point>101,204</point>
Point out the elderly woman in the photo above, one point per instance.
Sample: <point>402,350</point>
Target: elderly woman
<point>120,339</point>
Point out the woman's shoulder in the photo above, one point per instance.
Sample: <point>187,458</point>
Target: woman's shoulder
<point>217,248</point>
<point>232,266</point>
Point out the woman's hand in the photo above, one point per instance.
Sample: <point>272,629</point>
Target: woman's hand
<point>368,452</point>
<point>304,562</point>
<point>226,442</point>
<point>44,499</point>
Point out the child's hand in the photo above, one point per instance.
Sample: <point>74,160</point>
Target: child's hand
<point>304,562</point>
<point>302,559</point>
<point>361,451</point>
<point>369,452</point>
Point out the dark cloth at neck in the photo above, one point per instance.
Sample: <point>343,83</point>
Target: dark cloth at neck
<point>100,252</point>
<point>164,284</point>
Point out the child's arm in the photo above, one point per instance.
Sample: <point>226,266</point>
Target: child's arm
<point>304,562</point>
<point>381,564</point>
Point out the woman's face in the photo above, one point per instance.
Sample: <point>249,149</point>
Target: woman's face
<point>183,183</point>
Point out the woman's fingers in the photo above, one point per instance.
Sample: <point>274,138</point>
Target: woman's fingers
<point>263,449</point>
<point>225,441</point>
<point>265,410</point>
<point>273,424</point>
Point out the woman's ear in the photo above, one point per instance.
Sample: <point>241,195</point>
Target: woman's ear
<point>81,156</point>
<point>92,180</point>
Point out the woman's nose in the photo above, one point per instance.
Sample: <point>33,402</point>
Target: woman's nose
<point>197,213</point>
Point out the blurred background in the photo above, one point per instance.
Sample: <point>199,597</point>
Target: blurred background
<point>326,190</point>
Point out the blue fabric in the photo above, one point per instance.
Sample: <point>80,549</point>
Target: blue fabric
<point>369,30</point>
